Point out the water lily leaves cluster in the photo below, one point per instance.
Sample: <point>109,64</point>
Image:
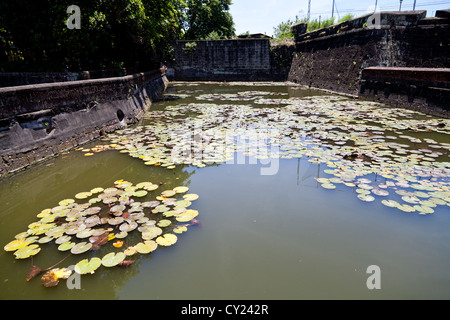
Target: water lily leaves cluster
<point>389,147</point>
<point>85,227</point>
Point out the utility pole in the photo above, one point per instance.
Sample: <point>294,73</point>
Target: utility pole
<point>332,10</point>
<point>309,9</point>
<point>376,2</point>
<point>400,9</point>
<point>414,5</point>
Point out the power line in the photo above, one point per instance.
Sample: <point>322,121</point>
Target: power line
<point>384,8</point>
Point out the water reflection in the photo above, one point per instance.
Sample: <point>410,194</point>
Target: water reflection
<point>278,236</point>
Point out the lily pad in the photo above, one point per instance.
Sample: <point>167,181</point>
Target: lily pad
<point>190,197</point>
<point>186,216</point>
<point>16,244</point>
<point>168,193</point>
<point>66,246</point>
<point>88,266</point>
<point>28,251</point>
<point>164,223</point>
<point>83,195</point>
<point>146,247</point>
<point>183,203</point>
<point>166,240</point>
<point>151,233</point>
<point>181,189</point>
<point>112,259</point>
<point>140,193</point>
<point>180,229</point>
<point>81,247</point>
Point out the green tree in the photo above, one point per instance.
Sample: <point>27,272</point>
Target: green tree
<point>283,30</point>
<point>206,18</point>
<point>114,33</point>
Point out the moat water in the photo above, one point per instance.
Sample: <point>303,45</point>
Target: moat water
<point>282,234</point>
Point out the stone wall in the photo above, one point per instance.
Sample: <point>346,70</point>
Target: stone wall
<point>424,89</point>
<point>334,58</point>
<point>38,121</point>
<point>223,60</point>
<point>11,79</point>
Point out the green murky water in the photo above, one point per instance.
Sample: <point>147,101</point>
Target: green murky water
<point>282,235</point>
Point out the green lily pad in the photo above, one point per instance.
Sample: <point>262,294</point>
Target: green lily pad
<point>390,203</point>
<point>146,247</point>
<point>168,193</point>
<point>167,240</point>
<point>406,208</point>
<point>328,186</point>
<point>88,266</point>
<point>366,197</point>
<point>81,247</point>
<point>181,189</point>
<point>164,223</point>
<point>140,193</point>
<point>16,244</point>
<point>83,195</point>
<point>112,259</point>
<point>190,197</point>
<point>66,246</point>
<point>151,233</point>
<point>186,216</point>
<point>27,251</point>
<point>180,229</point>
<point>183,203</point>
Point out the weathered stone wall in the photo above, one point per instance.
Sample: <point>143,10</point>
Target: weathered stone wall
<point>423,89</point>
<point>223,60</point>
<point>38,121</point>
<point>11,79</point>
<point>334,58</point>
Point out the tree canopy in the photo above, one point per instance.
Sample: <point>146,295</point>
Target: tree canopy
<point>135,34</point>
<point>283,30</point>
<point>208,18</point>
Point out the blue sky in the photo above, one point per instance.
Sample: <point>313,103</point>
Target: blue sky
<point>261,16</point>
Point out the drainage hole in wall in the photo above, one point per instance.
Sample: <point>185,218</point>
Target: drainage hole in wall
<point>120,115</point>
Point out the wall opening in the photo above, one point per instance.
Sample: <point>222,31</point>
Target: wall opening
<point>120,115</point>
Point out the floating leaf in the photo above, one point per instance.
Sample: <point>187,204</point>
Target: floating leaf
<point>33,272</point>
<point>328,186</point>
<point>50,279</point>
<point>83,195</point>
<point>146,247</point>
<point>27,251</point>
<point>66,246</point>
<point>181,189</point>
<point>180,229</point>
<point>112,259</point>
<point>66,202</point>
<point>183,203</point>
<point>118,244</point>
<point>16,244</point>
<point>168,193</point>
<point>164,223</point>
<point>88,266</point>
<point>126,263</point>
<point>190,197</point>
<point>186,216</point>
<point>167,239</point>
<point>140,193</point>
<point>81,247</point>
<point>151,233</point>
<point>130,251</point>
<point>366,197</point>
